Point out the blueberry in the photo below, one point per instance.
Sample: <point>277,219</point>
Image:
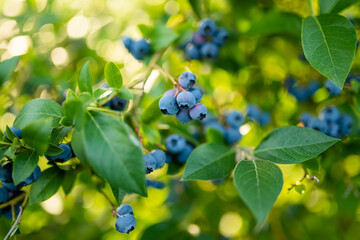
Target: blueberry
<point>155,184</point>
<point>127,42</point>
<point>125,209</point>
<point>187,80</point>
<point>125,223</point>
<point>183,116</point>
<point>232,135</point>
<point>312,87</point>
<point>118,103</point>
<point>346,123</point>
<point>4,195</point>
<point>300,93</point>
<point>168,105</point>
<point>305,118</point>
<point>33,177</point>
<point>264,119</point>
<point>330,114</point>
<point>207,27</point>
<point>221,37</point>
<point>253,111</point>
<point>10,186</point>
<point>62,157</point>
<point>159,156</point>
<point>169,158</point>
<point>198,112</point>
<point>192,51</point>
<point>184,154</point>
<point>217,126</point>
<point>5,173</point>
<point>197,93</point>
<point>185,100</point>
<point>332,88</point>
<point>198,38</point>
<point>140,49</point>
<point>170,92</point>
<point>175,143</point>
<point>16,131</point>
<point>334,130</point>
<point>318,124</point>
<point>150,163</point>
<point>209,50</point>
<point>235,119</point>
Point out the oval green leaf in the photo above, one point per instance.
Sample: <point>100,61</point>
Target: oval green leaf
<point>113,76</point>
<point>85,82</point>
<point>209,161</point>
<point>258,183</point>
<point>292,144</point>
<point>335,6</point>
<point>329,43</point>
<point>24,164</point>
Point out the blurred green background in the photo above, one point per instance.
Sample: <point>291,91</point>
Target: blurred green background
<point>51,39</point>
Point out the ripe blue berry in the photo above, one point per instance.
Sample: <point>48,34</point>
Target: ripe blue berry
<point>253,111</point>
<point>197,93</point>
<point>4,195</point>
<point>185,100</point>
<point>305,118</point>
<point>170,92</point>
<point>198,38</point>
<point>125,223</point>
<point>140,49</point>
<point>159,156</point>
<point>117,103</point>
<point>334,130</point>
<point>62,157</point>
<point>207,27</point>
<point>330,114</point>
<point>332,88</point>
<point>264,118</point>
<point>209,50</point>
<point>235,119</point>
<point>150,163</point>
<point>155,184</point>
<point>5,173</point>
<point>124,209</point>
<point>346,123</point>
<point>33,177</point>
<point>11,187</point>
<point>192,51</point>
<point>184,154</point>
<point>221,37</point>
<point>187,80</point>
<point>318,124</point>
<point>127,42</point>
<point>16,131</point>
<point>183,116</point>
<point>175,143</point>
<point>232,135</point>
<point>168,105</point>
<point>198,112</point>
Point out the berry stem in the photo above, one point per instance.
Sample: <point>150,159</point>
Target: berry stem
<point>113,207</point>
<point>18,219</point>
<point>163,71</point>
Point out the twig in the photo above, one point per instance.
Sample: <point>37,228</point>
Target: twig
<point>13,201</point>
<point>306,175</point>
<point>168,75</point>
<point>18,219</point>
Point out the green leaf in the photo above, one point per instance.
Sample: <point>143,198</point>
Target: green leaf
<point>209,161</point>
<point>197,7</point>
<point>113,151</point>
<point>276,22</point>
<point>10,134</point>
<point>152,113</point>
<point>161,36</point>
<point>288,145</point>
<point>68,181</point>
<point>125,93</point>
<point>329,43</point>
<point>300,188</point>
<point>85,82</point>
<point>213,135</point>
<point>7,67</point>
<point>313,164</point>
<point>58,134</point>
<point>113,76</point>
<point>335,6</point>
<point>70,94</point>
<point>119,194</point>
<point>53,150</point>
<point>258,183</point>
<point>37,134</point>
<point>100,91</point>
<point>24,164</point>
<point>47,185</point>
<point>75,109</point>
<point>38,109</point>
<point>3,150</point>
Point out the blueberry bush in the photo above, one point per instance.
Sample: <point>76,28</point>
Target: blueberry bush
<point>263,142</point>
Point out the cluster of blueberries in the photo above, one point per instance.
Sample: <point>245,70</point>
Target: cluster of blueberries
<point>260,116</point>
<point>184,100</point>
<point>154,160</point>
<point>332,88</point>
<point>178,149</point>
<point>116,103</point>
<point>230,130</point>
<point>63,156</point>
<point>330,122</point>
<point>139,49</point>
<point>125,221</point>
<point>206,42</point>
<point>9,190</point>
<point>301,92</point>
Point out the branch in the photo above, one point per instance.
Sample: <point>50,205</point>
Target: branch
<point>168,75</point>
